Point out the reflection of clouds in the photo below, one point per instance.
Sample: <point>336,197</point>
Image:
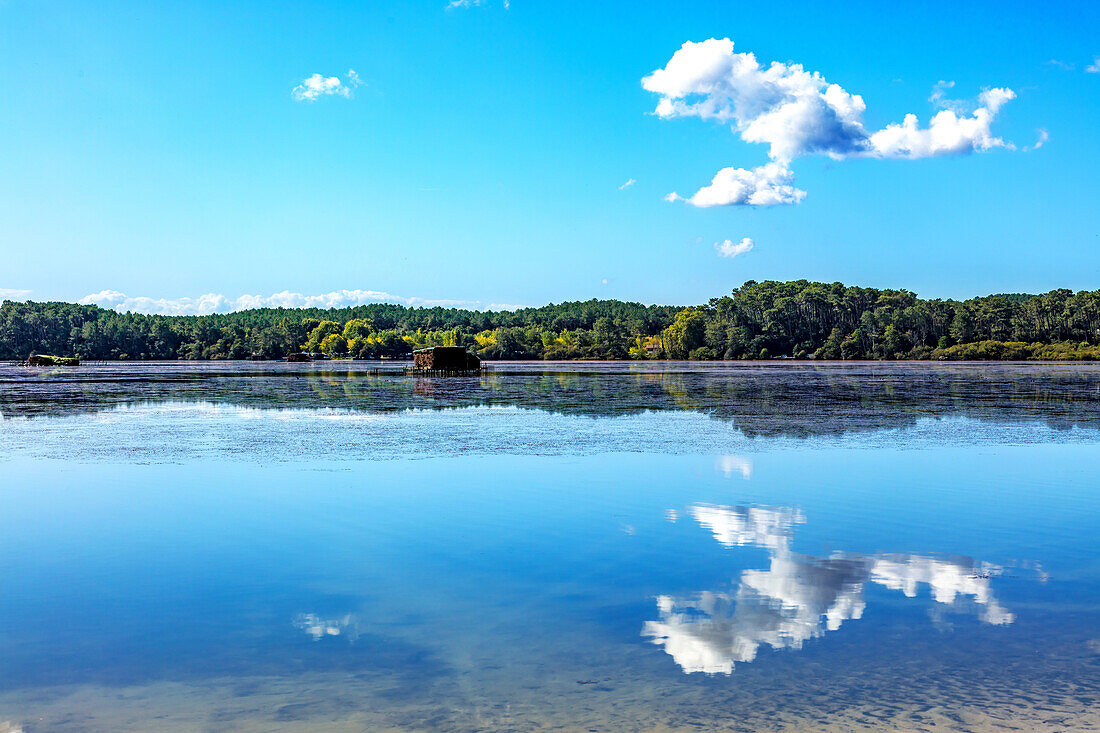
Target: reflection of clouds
<point>807,591</point>
<point>757,526</point>
<point>318,628</point>
<point>798,597</point>
<point>698,633</point>
<point>794,600</point>
<point>205,409</point>
<point>731,464</point>
<point>947,580</point>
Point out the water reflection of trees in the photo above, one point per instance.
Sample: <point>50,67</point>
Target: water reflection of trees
<point>795,400</point>
<point>798,597</point>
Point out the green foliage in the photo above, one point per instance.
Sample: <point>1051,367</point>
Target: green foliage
<point>799,319</point>
<point>333,345</point>
<point>686,333</point>
<point>1019,351</point>
<point>357,328</point>
<point>317,336</point>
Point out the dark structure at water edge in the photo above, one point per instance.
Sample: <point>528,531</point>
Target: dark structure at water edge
<point>445,360</point>
<point>48,360</point>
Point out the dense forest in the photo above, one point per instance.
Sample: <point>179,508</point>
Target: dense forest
<point>759,320</point>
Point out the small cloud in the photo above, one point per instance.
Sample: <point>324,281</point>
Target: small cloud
<point>604,281</point>
<point>506,307</point>
<point>939,98</point>
<point>453,4</point>
<point>766,185</point>
<point>1064,65</point>
<point>629,182</point>
<point>317,86</point>
<point>13,294</point>
<point>1040,142</point>
<point>1094,67</point>
<point>729,249</point>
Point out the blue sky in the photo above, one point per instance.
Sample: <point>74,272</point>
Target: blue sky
<point>158,151</point>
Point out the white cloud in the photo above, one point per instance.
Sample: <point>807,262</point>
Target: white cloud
<point>939,99</point>
<point>202,305</point>
<point>472,4</point>
<point>629,182</point>
<point>767,185</point>
<point>317,86</point>
<point>1094,67</point>
<point>1040,141</point>
<point>794,111</point>
<point>798,113</point>
<point>729,249</point>
<point>948,133</point>
<point>13,294</point>
<point>1064,65</point>
<point>217,303</point>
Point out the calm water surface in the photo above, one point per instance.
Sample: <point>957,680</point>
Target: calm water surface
<point>257,547</point>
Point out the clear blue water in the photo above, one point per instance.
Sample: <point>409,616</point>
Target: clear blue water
<point>574,547</point>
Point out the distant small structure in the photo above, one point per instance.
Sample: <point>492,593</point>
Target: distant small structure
<point>47,360</point>
<point>298,357</point>
<point>445,360</point>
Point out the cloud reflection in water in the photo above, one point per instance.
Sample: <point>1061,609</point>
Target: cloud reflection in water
<point>799,597</point>
<point>318,628</point>
<point>731,464</point>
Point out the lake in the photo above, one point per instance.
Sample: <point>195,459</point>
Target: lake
<point>246,546</point>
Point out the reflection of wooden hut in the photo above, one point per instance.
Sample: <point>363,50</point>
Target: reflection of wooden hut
<point>445,359</point>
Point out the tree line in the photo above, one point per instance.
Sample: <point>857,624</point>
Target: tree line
<point>759,320</point>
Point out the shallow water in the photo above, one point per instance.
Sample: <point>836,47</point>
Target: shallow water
<point>574,547</point>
